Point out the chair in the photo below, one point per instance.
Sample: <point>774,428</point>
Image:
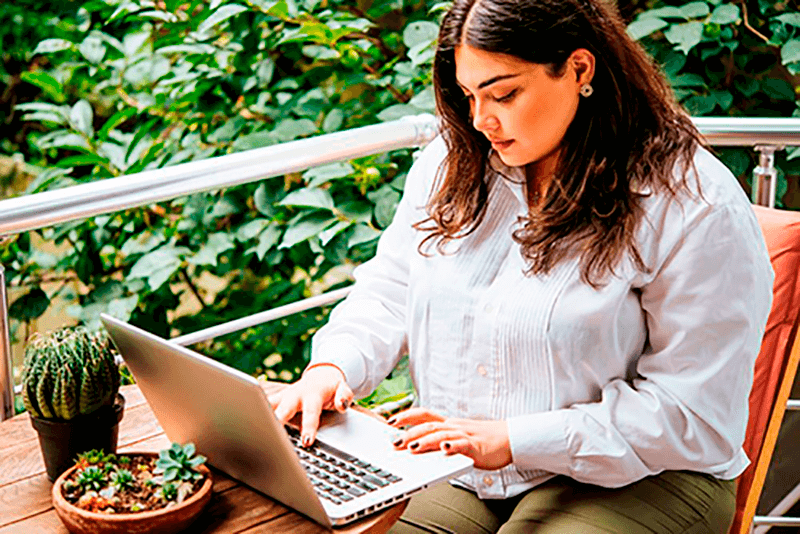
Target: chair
<point>777,361</point>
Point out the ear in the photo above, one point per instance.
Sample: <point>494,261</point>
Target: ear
<point>582,62</point>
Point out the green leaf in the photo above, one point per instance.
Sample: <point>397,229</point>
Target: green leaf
<point>333,121</point>
<point>290,129</point>
<point>790,19</point>
<point>326,235</point>
<point>158,266</point>
<point>362,234</point>
<point>420,32</point>
<point>688,80</point>
<point>49,46</point>
<point>723,98</point>
<point>46,83</point>
<point>220,15</point>
<point>251,229</point>
<point>725,14</point>
<point>685,36</point>
<point>142,242</point>
<point>93,49</point>
<point>644,27</point>
<point>217,243</point>
<point>790,52</point>
<point>254,140</point>
<point>694,10</point>
<point>158,15</point>
<point>325,173</point>
<point>310,198</point>
<point>668,12</point>
<point>266,241</point>
<point>115,120</point>
<point>81,116</point>
<point>262,201</point>
<point>701,105</point>
<point>778,89</point>
<point>81,159</point>
<point>30,305</point>
<point>747,86</point>
<point>305,228</point>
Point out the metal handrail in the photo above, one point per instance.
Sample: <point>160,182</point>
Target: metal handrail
<point>56,207</point>
<point>106,196</point>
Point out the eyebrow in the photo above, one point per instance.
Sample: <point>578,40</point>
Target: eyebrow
<point>490,81</point>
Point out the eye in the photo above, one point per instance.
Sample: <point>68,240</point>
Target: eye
<point>506,97</point>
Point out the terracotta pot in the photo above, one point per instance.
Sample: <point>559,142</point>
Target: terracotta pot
<point>163,521</point>
<point>62,440</point>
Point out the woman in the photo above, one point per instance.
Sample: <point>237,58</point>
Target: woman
<point>580,285</point>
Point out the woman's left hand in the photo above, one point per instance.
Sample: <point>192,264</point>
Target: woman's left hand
<point>486,442</point>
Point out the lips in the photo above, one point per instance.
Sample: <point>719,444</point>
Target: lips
<point>499,144</point>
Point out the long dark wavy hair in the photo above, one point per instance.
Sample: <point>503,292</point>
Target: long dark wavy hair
<point>629,136</point>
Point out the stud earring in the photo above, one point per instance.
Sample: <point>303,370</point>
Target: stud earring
<point>586,90</point>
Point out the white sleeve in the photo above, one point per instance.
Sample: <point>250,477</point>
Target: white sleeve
<point>366,334</point>
<point>706,310</point>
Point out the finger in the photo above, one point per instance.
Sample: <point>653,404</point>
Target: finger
<point>343,397</point>
<point>432,442</point>
<point>274,400</point>
<point>417,432</point>
<point>287,406</point>
<point>458,446</point>
<point>312,408</point>
<point>414,416</point>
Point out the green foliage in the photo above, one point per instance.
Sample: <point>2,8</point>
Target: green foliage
<point>179,463</point>
<point>68,372</point>
<point>122,479</point>
<point>729,58</point>
<point>148,85</point>
<point>92,478</point>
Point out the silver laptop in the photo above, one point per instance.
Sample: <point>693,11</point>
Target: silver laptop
<point>352,469</point>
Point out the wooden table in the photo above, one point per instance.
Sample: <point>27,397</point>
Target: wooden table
<point>25,505</point>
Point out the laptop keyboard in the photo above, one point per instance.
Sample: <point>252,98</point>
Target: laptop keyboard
<point>337,476</point>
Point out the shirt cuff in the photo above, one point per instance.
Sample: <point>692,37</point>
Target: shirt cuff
<point>343,356</point>
<point>539,441</point>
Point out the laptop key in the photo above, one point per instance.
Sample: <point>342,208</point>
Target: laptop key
<point>352,490</point>
<point>345,497</point>
<point>367,486</point>
<point>375,480</point>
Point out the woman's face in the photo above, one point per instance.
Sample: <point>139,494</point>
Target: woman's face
<point>519,106</point>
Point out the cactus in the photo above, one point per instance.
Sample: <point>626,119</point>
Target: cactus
<point>68,372</point>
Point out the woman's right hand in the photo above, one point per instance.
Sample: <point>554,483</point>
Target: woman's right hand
<point>322,387</point>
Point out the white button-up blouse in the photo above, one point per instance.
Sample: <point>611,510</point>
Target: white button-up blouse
<point>650,372</point>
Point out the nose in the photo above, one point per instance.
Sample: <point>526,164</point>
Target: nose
<point>482,119</point>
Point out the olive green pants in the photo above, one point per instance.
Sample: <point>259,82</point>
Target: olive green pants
<point>672,502</point>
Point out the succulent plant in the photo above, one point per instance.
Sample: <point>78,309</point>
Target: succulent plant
<point>68,372</point>
<point>92,478</point>
<point>179,463</point>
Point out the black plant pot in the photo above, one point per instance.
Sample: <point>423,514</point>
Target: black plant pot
<point>63,440</point>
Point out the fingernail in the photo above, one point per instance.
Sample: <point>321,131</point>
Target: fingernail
<point>397,442</point>
<point>392,421</point>
<point>414,445</point>
<point>306,440</point>
<point>447,445</point>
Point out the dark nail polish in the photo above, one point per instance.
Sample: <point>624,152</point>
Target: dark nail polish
<point>397,442</point>
<point>447,445</point>
<point>392,421</point>
<point>414,445</point>
<point>306,440</point>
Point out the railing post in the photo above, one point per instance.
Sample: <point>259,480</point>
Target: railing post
<point>6,366</point>
<point>765,176</point>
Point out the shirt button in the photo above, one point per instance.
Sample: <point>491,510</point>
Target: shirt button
<point>488,308</point>
<point>481,370</point>
<point>488,480</point>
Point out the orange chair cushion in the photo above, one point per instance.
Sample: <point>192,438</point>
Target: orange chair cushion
<point>782,234</point>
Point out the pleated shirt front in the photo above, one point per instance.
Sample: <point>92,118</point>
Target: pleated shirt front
<point>649,372</point>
